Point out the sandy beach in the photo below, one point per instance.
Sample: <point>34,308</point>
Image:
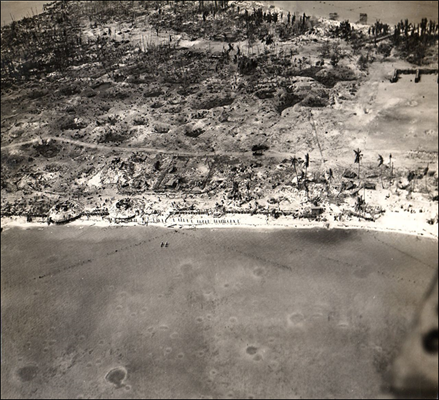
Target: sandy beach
<point>396,222</point>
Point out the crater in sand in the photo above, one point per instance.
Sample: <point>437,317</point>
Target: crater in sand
<point>251,350</point>
<point>116,376</point>
<point>27,373</point>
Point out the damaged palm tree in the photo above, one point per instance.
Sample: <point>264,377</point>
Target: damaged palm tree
<point>311,120</point>
<point>329,177</point>
<point>360,204</point>
<point>391,168</point>
<point>306,164</point>
<point>380,162</point>
<point>411,178</point>
<point>425,172</point>
<point>305,185</point>
<point>358,157</point>
<point>294,162</point>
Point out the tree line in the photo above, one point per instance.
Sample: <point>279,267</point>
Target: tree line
<point>414,39</point>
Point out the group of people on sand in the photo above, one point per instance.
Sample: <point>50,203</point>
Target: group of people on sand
<point>166,244</point>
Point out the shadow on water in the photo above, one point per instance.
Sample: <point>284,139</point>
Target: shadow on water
<point>328,237</point>
<point>28,373</point>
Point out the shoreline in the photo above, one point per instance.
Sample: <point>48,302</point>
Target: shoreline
<point>231,221</point>
<point>104,182</point>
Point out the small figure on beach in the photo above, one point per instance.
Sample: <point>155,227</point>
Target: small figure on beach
<point>162,244</point>
<point>166,244</point>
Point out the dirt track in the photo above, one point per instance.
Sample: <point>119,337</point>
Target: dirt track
<point>147,149</point>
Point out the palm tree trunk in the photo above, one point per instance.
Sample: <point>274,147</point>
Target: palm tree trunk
<point>391,173</point>
<point>364,189</point>
<point>306,191</point>
<point>359,180</point>
<point>381,178</point>
<point>426,186</point>
<point>297,177</point>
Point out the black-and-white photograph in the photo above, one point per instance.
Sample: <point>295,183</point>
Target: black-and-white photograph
<point>219,199</point>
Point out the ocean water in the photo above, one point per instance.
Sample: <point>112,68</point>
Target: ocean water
<point>16,10</point>
<point>219,313</point>
<point>390,12</point>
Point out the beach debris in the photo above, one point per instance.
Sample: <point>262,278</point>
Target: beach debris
<point>349,174</point>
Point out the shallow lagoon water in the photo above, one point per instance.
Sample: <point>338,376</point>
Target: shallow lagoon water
<point>390,12</point>
<point>90,312</point>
